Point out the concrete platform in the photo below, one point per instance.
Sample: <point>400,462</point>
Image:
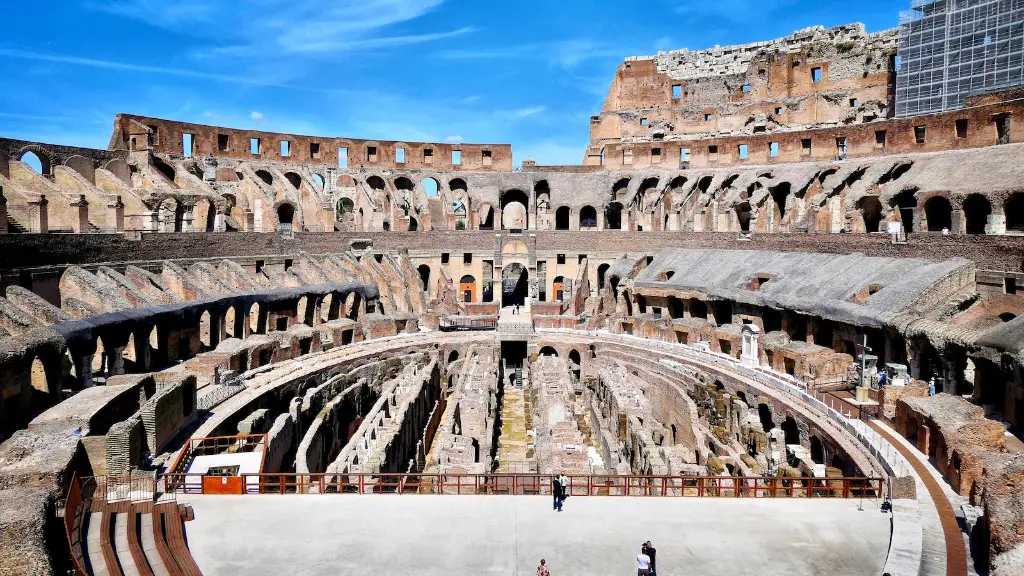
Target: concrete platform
<point>472,535</point>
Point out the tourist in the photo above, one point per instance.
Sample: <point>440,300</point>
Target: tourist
<point>881,379</point>
<point>652,554</point>
<point>563,480</point>
<point>643,563</point>
<point>542,570</point>
<point>931,386</point>
<point>556,494</point>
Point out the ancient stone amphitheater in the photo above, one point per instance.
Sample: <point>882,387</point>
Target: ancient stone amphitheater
<point>764,320</point>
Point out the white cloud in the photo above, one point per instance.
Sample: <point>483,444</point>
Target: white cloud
<point>288,26</point>
<point>526,112</point>
<point>255,115</point>
<point>453,139</point>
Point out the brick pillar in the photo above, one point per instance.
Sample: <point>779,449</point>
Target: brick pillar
<point>80,207</point>
<point>923,438</point>
<point>38,219</point>
<point>250,221</point>
<point>3,212</point>
<point>117,214</point>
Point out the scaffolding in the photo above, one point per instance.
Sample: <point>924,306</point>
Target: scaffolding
<point>952,49</point>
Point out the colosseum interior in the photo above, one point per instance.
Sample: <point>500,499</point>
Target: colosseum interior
<point>759,282</point>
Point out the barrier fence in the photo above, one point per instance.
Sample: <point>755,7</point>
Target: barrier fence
<point>532,484</point>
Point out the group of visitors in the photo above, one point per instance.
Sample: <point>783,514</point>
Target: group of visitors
<point>559,491</point>
<point>646,562</point>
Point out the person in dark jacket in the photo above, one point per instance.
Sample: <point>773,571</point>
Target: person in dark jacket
<point>556,493</point>
<point>651,552</point>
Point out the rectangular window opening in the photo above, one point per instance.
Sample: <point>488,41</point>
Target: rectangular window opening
<point>286,148</point>
<point>778,110</point>
<point>854,102</point>
<point>684,154</point>
<point>342,157</point>
<point>456,157</point>
<point>428,156</point>
<point>816,75</point>
<point>314,150</point>
<point>487,157</point>
<point>677,91</point>
<point>961,128</point>
<point>773,149</point>
<point>879,138</point>
<point>805,146</point>
<point>467,258</point>
<point>222,142</point>
<point>1010,285</point>
<point>187,141</point>
<point>742,151</point>
<point>560,259</point>
<point>709,117</point>
<point>643,121</point>
<point>371,153</point>
<point>655,155</point>
<point>627,156</point>
<point>745,88</point>
<point>254,146</point>
<point>444,257</point>
<point>400,155</point>
<point>919,134</point>
<point>713,153</point>
<point>1002,129</point>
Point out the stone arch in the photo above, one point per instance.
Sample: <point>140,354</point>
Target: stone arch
<point>548,351</point>
<point>588,217</point>
<point>38,158</point>
<point>431,186</point>
<point>1013,209</point>
<point>602,270</point>
<point>206,330</point>
<point>265,176</point>
<point>286,215</point>
<point>817,450</point>
<point>164,168</point>
<point>424,271</point>
<point>457,184</point>
<point>85,167</point>
<point>319,180</point>
<point>764,414</point>
<point>613,216</point>
<point>514,205</point>
<point>871,212</point>
<point>171,214</point>
<point>294,179</point>
<point>562,215</point>
<point>977,209</point>
<point>743,215</point>
<point>938,214</point>
<point>620,188</point>
<point>467,288</point>
<point>404,183</point>
<point>118,167</point>
<point>256,323</point>
<point>906,203</point>
<point>414,224</point>
<point>485,213</point>
<point>376,183</point>
<point>792,431</point>
<point>38,378</point>
<point>453,356</point>
<point>780,195</point>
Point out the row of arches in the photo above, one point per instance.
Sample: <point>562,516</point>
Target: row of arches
<point>937,213</point>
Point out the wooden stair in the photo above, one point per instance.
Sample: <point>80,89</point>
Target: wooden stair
<point>137,539</point>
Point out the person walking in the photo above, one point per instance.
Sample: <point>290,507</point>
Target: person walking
<point>542,570</point>
<point>556,493</point>
<point>563,480</point>
<point>643,563</point>
<point>652,554</point>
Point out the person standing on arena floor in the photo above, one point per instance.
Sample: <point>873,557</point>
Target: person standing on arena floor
<point>652,554</point>
<point>643,563</point>
<point>556,493</point>
<point>542,570</point>
<point>563,480</point>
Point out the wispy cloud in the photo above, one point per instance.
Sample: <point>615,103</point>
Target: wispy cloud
<point>525,112</point>
<point>125,66</point>
<point>565,54</point>
<point>453,139</point>
<point>285,26</point>
<point>254,115</point>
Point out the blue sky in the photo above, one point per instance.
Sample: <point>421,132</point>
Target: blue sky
<point>526,72</point>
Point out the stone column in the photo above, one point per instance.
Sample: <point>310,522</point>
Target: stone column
<point>3,212</point>
<point>186,218</point>
<point>117,210</point>
<point>152,218</point>
<point>219,224</point>
<point>38,218</point>
<point>996,224</point>
<point>80,225</point>
<point>750,355</point>
<point>250,221</point>
<point>82,354</point>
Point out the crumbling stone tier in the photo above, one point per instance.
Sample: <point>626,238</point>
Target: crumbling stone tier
<point>667,308</point>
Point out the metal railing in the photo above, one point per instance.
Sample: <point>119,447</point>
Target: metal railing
<point>541,485</point>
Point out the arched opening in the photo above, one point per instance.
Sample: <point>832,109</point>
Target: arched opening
<point>548,351</point>
<point>514,214</point>
<point>938,214</point>
<point>1014,211</point>
<point>265,176</point>
<point>375,183</point>
<point>558,288</point>
<point>319,181</point>
<point>613,216</point>
<point>285,215</point>
<point>588,218</point>
<point>764,413</point>
<point>343,209</point>
<point>817,451</point>
<point>37,377</point>
<point>601,271</point>
<point>325,308</point>
<point>562,218</point>
<point>255,325</point>
<point>871,211</point>
<point>424,271</point>
<point>792,431</point>
<point>743,216</point>
<point>514,285</point>
<point>294,179</point>
<point>171,215</point>
<point>906,202</point>
<point>977,209</point>
<point>163,168</point>
<point>457,184</point>
<point>229,323</point>
<point>386,226</point>
<point>414,225</point>
<point>205,330</point>
<point>403,183</point>
<point>467,288</point>
<point>1007,316</point>
<point>780,194</point>
<point>620,188</point>
<point>486,217</point>
<point>476,451</point>
<point>430,187</point>
<point>38,164</point>
<point>453,356</point>
<point>99,360</point>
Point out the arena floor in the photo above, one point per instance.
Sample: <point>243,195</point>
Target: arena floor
<point>427,535</point>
